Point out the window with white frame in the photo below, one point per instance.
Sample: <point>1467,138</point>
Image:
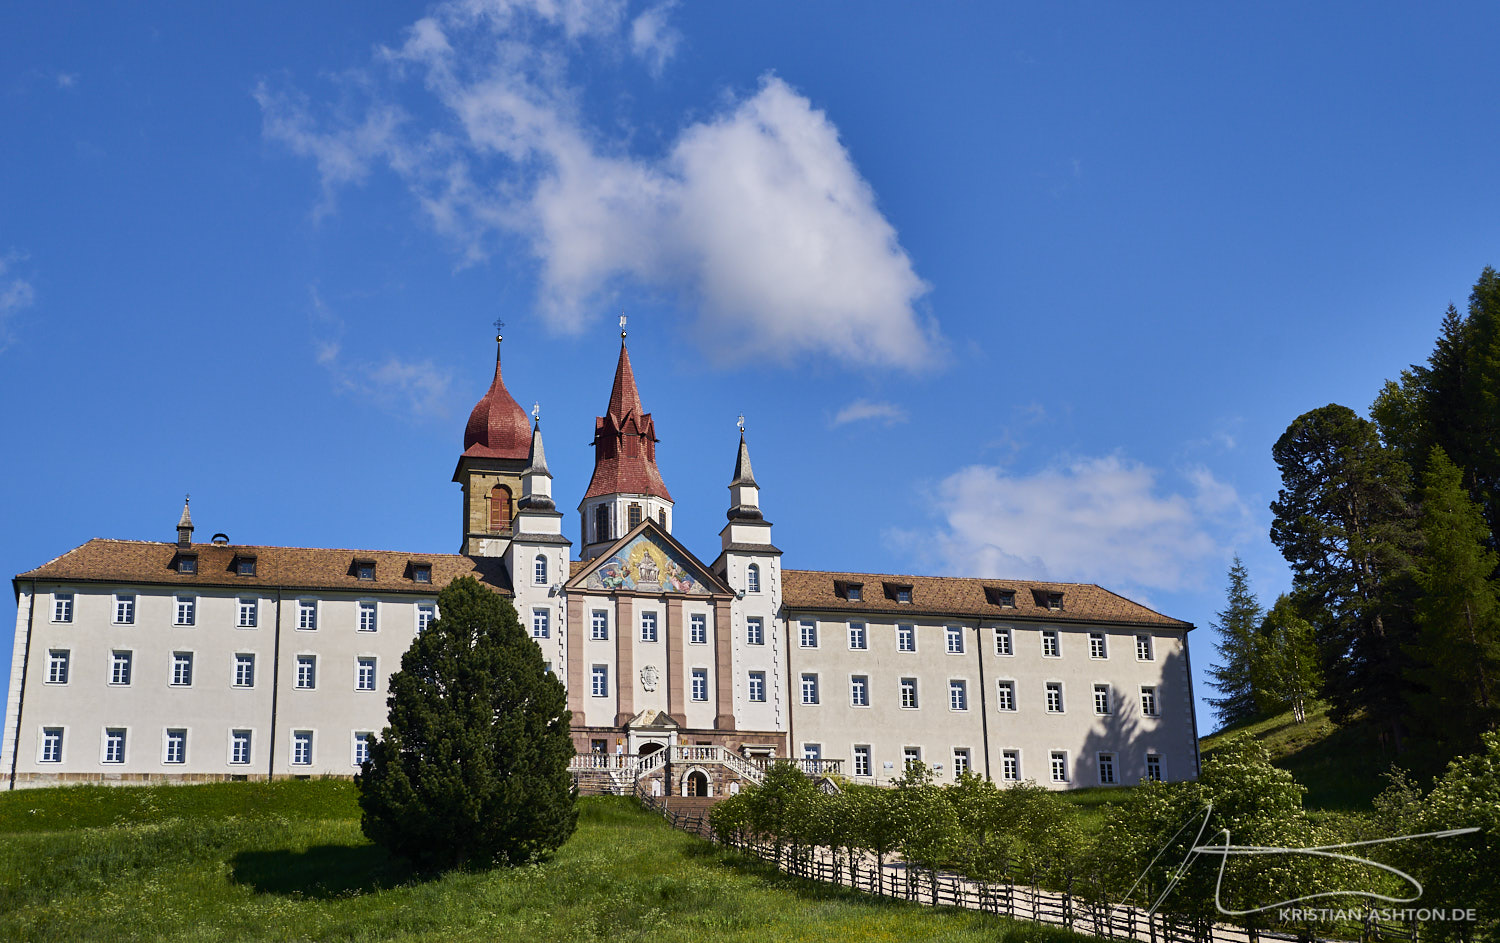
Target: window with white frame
<point>239,747</point>
<point>958,695</point>
<point>698,629</point>
<point>862,760</point>
<point>541,624</point>
<point>302,743</point>
<point>955,635</point>
<point>809,632</point>
<point>858,639</point>
<point>1153,767</point>
<point>909,693</point>
<point>1004,643</point>
<point>426,612</point>
<point>1005,695</point>
<point>755,632</point>
<point>364,570</point>
<point>700,684</point>
<point>182,669</point>
<point>1051,648</point>
<point>124,610</point>
<point>809,689</point>
<point>906,638</point>
<point>600,681</point>
<point>52,744</point>
<point>1010,766</point>
<point>910,756</point>
<point>62,607</point>
<point>1059,766</point>
<point>175,751</point>
<point>757,686</point>
<point>364,673</point>
<point>57,666</point>
<point>363,739</point>
<point>120,664</point>
<point>307,672</point>
<point>1148,701</point>
<point>1143,648</point>
<point>539,570</point>
<point>859,691</point>
<point>114,745</point>
<point>248,612</point>
<point>812,751</point>
<point>960,761</point>
<point>599,625</point>
<point>1101,699</point>
<point>307,614</point>
<point>368,616</point>
<point>1054,697</point>
<point>648,626</point>
<point>1107,769</point>
<point>244,669</point>
<point>187,610</point>
<point>1097,647</point>
<point>752,579</point>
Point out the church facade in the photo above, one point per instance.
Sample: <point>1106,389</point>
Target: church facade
<point>140,661</point>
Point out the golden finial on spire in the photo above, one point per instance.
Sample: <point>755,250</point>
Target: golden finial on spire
<point>741,423</point>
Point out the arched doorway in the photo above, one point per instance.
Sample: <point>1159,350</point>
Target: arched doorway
<point>696,784</point>
<point>649,748</point>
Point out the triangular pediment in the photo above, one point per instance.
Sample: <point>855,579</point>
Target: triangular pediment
<point>649,560</point>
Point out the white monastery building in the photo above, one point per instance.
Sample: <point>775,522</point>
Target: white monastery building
<point>139,661</point>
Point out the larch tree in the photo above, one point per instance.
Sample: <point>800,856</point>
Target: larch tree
<point>1284,665</point>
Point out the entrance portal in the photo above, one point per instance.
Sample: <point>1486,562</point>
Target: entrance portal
<point>697,784</point>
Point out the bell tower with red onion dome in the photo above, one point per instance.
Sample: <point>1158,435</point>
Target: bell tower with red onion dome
<point>497,443</point>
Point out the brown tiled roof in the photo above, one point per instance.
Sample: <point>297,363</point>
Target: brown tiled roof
<point>498,427</point>
<point>954,596</point>
<point>141,561</point>
<point>625,442</point>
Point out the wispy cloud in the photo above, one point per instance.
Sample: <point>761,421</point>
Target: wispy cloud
<point>16,293</point>
<point>67,79</point>
<point>756,219</point>
<point>863,409</point>
<point>418,388</point>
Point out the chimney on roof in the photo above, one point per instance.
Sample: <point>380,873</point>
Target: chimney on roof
<point>185,525</point>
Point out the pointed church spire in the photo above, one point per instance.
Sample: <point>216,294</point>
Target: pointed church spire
<point>185,525</point>
<point>536,463</point>
<point>624,399</point>
<point>625,441</point>
<point>742,473</point>
<point>744,493</point>
<point>536,480</point>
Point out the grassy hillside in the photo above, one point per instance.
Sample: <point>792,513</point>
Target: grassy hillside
<point>286,861</point>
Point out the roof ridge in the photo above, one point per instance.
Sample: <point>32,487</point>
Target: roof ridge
<point>923,576</point>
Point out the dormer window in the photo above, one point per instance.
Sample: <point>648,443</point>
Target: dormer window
<point>187,563</point>
<point>1004,598</point>
<point>898,592</point>
<point>853,592</point>
<point>1047,599</point>
<point>244,565</point>
<point>364,569</point>
<point>421,573</point>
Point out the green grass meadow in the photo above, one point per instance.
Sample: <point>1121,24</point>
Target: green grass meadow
<point>287,861</point>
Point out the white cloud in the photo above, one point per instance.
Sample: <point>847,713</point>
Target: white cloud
<point>756,219</point>
<point>417,387</point>
<point>16,293</point>
<point>67,79</point>
<point>1100,520</point>
<point>862,409</point>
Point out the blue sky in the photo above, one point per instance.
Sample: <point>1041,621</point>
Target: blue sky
<point>1001,290</point>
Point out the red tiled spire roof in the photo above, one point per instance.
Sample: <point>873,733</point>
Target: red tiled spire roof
<point>498,427</point>
<point>625,442</point>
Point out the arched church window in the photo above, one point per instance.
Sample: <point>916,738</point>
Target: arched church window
<point>752,579</point>
<point>540,570</point>
<point>601,522</point>
<point>635,515</point>
<point>500,508</point>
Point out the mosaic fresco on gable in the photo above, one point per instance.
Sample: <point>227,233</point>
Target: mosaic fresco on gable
<point>645,566</point>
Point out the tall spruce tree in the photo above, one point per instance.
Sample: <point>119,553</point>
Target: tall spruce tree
<point>473,769</point>
<point>1231,676</point>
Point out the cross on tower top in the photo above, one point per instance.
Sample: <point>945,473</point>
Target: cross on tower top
<point>499,327</point>
<point>622,327</point>
<point>536,411</point>
<point>741,422</point>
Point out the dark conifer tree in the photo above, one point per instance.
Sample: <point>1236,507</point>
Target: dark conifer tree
<point>1231,675</point>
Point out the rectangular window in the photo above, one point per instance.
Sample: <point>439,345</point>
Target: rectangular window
<point>364,570</point>
<point>809,689</point>
<point>367,617</point>
<point>114,745</point>
<point>812,751</point>
<point>539,571</point>
<point>648,626</point>
<point>1096,645</point>
<point>362,741</point>
<point>187,610</point>
<point>906,638</point>
<point>1004,644</point>
<point>955,635</point>
<point>809,634</point>
<point>1054,697</point>
<point>1005,695</point>
<point>182,668</point>
<point>307,672</point>
<point>909,693</point>
<point>1059,766</point>
<point>302,747</point>
<point>600,686</point>
<point>62,611</point>
<point>1106,769</point>
<point>307,614</point>
<point>239,747</point>
<point>910,756</point>
<point>1101,699</point>
<point>426,612</point>
<point>700,684</point>
<point>1143,648</point>
<point>187,565</point>
<point>960,761</point>
<point>859,691</point>
<point>1153,767</point>
<point>903,594</point>
<point>245,566</point>
<point>599,625</point>
<point>697,629</point>
<point>1050,646</point>
<point>541,626</point>
<point>862,760</point>
<point>119,667</point>
<point>57,666</point>
<point>124,610</point>
<point>858,641</point>
<point>176,747</point>
<point>1148,701</point>
<point>248,612</point>
<point>958,695</point>
<point>244,670</point>
<point>854,592</point>
<point>757,687</point>
<point>1010,766</point>
<point>755,632</point>
<point>52,739</point>
<point>421,574</point>
<point>364,674</point>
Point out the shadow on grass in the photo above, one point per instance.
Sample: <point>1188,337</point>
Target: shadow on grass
<point>322,872</point>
